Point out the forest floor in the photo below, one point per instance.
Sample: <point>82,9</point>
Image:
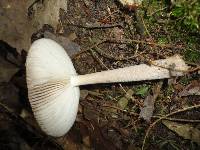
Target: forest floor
<point>160,114</point>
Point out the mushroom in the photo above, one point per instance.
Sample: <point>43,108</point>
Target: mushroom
<point>53,84</point>
<point>131,4</point>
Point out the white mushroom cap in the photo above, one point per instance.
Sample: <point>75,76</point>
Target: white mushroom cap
<point>53,99</point>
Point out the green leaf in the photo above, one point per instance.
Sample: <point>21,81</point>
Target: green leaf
<point>142,90</point>
<point>178,11</point>
<point>192,56</point>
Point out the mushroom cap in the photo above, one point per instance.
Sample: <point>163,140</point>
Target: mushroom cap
<point>54,100</point>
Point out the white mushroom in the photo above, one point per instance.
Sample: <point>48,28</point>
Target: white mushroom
<point>53,83</point>
<point>131,3</point>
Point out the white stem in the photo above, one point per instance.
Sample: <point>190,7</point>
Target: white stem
<point>135,73</point>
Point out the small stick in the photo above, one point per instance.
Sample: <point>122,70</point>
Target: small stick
<point>178,119</point>
<point>91,47</point>
<point>128,41</point>
<point>91,27</point>
<point>122,110</point>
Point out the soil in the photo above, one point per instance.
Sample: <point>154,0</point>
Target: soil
<point>111,36</point>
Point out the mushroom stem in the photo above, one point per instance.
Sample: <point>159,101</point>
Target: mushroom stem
<point>172,66</point>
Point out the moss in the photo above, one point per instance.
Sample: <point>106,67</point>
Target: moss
<point>192,56</point>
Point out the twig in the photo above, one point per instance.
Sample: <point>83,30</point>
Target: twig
<point>145,27</point>
<point>98,59</point>
<point>109,56</point>
<point>178,119</point>
<point>129,41</point>
<point>122,110</point>
<point>159,117</point>
<point>164,117</point>
<point>108,15</point>
<point>161,9</point>
<point>91,27</point>
<point>94,45</point>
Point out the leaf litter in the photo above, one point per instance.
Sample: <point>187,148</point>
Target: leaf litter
<point>97,127</point>
<point>187,131</point>
<point>191,89</point>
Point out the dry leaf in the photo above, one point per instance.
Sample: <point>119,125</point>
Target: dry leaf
<point>191,89</point>
<point>7,70</point>
<point>147,111</point>
<point>9,97</point>
<point>47,12</point>
<point>123,102</point>
<point>83,94</point>
<point>186,131</point>
<point>86,141</point>
<point>15,28</point>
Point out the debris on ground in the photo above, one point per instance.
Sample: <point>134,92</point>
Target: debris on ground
<point>105,35</point>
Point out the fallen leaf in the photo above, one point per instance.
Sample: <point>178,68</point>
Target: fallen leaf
<point>7,70</point>
<point>186,131</point>
<point>86,141</point>
<point>9,97</point>
<point>83,94</point>
<point>72,36</point>
<point>9,53</point>
<point>191,89</point>
<point>48,12</point>
<point>15,28</point>
<point>15,133</point>
<point>129,94</point>
<point>68,143</point>
<point>142,90</point>
<point>147,111</point>
<point>123,102</point>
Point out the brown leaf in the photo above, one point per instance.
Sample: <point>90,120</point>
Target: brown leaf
<point>147,111</point>
<point>83,94</point>
<point>123,102</point>
<point>91,114</point>
<point>47,12</point>
<point>86,141</point>
<point>186,131</point>
<point>7,70</point>
<point>9,97</point>
<point>67,143</point>
<point>191,89</point>
<point>15,28</point>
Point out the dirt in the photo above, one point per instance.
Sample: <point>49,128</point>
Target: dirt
<point>101,123</point>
